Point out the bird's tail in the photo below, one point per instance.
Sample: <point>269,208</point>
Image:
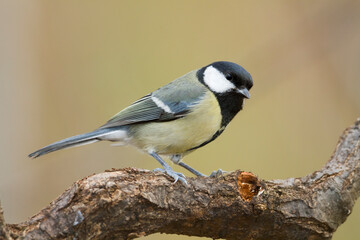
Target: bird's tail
<point>74,141</point>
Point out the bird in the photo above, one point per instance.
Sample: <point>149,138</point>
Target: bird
<point>176,119</point>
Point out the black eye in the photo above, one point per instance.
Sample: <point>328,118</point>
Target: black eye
<point>229,76</point>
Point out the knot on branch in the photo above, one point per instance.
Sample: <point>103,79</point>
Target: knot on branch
<point>249,185</point>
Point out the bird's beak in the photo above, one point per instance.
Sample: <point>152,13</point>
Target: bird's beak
<point>244,92</point>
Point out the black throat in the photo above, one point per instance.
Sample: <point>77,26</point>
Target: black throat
<point>230,102</point>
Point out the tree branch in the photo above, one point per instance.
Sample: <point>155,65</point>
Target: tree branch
<point>129,203</point>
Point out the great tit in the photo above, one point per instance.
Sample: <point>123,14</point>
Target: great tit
<point>176,119</point>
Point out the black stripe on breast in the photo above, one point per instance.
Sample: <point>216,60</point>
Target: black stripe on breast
<point>208,141</point>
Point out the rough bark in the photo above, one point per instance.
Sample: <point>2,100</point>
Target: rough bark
<point>129,203</point>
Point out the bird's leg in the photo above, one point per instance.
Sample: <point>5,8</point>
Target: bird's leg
<point>168,170</point>
<point>177,160</point>
<point>195,172</point>
<point>214,174</point>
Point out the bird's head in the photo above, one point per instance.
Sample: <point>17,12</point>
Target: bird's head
<point>226,77</point>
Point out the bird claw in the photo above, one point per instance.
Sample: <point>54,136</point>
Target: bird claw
<point>217,173</point>
<point>175,175</point>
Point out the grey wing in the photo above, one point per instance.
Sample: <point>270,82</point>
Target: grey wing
<point>165,104</point>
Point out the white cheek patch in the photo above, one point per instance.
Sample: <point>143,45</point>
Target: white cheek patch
<point>216,81</point>
<point>161,104</point>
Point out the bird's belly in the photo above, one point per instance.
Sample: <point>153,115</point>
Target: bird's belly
<point>180,135</point>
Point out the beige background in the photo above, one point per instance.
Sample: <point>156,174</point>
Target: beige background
<point>66,67</point>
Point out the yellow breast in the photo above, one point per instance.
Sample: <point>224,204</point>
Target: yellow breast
<point>180,135</point>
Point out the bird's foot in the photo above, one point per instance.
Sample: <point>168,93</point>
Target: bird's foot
<point>175,175</point>
<point>217,173</point>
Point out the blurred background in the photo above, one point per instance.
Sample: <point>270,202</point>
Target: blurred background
<point>67,67</point>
